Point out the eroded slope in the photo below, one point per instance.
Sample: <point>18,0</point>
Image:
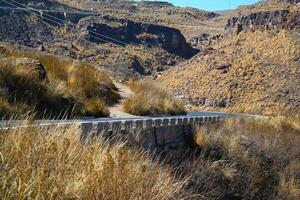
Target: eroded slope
<point>255,72</point>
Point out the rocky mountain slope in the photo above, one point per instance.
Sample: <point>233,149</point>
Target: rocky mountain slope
<point>254,68</point>
<point>247,61</point>
<point>125,48</point>
<point>191,22</point>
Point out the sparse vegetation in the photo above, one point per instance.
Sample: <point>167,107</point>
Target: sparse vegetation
<point>150,99</point>
<point>53,163</point>
<point>246,159</point>
<point>235,159</point>
<point>241,76</point>
<point>50,86</point>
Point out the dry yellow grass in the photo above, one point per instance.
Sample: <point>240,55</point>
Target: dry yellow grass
<point>261,75</point>
<point>261,154</point>
<point>52,163</point>
<point>236,159</point>
<point>150,99</point>
<point>68,87</point>
<point>269,5</point>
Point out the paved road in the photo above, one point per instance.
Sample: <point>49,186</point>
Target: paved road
<point>14,123</point>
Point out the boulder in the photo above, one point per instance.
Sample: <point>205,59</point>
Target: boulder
<point>267,20</point>
<point>31,68</point>
<point>104,29</point>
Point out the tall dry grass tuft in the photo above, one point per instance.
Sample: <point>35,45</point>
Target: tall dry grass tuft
<point>246,159</point>
<point>56,86</point>
<point>52,163</point>
<point>150,99</point>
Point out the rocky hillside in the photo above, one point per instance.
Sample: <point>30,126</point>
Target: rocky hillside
<point>254,68</point>
<point>267,20</point>
<point>39,4</point>
<point>190,21</point>
<point>126,49</point>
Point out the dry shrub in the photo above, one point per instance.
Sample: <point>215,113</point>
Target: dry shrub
<point>150,99</point>
<point>66,87</point>
<point>11,108</point>
<point>246,159</point>
<point>53,163</point>
<point>95,107</point>
<point>253,80</point>
<point>86,82</point>
<point>24,94</point>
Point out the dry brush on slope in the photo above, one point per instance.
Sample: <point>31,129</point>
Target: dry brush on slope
<point>151,99</point>
<point>53,163</point>
<point>244,159</point>
<point>235,159</point>
<point>255,72</point>
<point>51,87</point>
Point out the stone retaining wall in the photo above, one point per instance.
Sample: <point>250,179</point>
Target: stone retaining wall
<point>160,133</point>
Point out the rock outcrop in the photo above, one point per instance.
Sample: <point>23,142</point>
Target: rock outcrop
<point>269,20</point>
<point>203,41</point>
<point>104,28</point>
<point>28,67</point>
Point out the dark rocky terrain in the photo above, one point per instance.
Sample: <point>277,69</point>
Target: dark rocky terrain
<point>128,49</point>
<point>190,21</point>
<point>268,20</point>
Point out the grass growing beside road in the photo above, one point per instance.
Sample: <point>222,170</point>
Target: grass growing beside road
<point>53,163</point>
<point>246,159</point>
<point>50,86</point>
<point>235,159</point>
<point>151,100</point>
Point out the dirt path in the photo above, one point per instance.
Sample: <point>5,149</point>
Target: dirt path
<point>116,111</point>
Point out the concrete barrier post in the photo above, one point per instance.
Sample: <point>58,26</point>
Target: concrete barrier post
<point>116,127</point>
<point>148,123</point>
<point>128,125</point>
<point>191,120</point>
<point>172,122</point>
<point>197,121</point>
<point>175,133</point>
<point>150,130</point>
<point>187,133</point>
<point>103,129</point>
<point>166,131</point>
<point>160,132</point>
<point>185,120</point>
<point>86,129</point>
<point>179,121</point>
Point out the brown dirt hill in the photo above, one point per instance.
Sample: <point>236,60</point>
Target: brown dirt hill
<point>270,5</point>
<point>190,21</point>
<point>253,72</point>
<point>254,68</point>
<point>145,48</point>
